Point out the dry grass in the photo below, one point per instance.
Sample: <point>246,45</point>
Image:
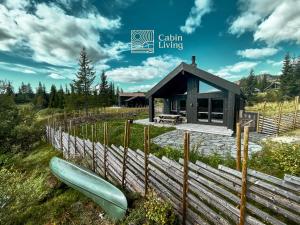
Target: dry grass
<point>272,108</point>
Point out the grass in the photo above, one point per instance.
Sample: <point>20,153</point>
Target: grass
<point>36,196</point>
<point>272,108</point>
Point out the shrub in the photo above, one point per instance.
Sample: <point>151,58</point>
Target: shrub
<point>277,158</point>
<point>9,118</point>
<point>159,211</point>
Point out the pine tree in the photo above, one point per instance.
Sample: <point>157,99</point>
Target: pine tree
<point>61,98</point>
<point>103,83</point>
<point>53,99</point>
<point>40,99</point>
<point>249,84</point>
<point>296,74</point>
<point>84,77</point>
<point>286,79</point>
<point>9,89</point>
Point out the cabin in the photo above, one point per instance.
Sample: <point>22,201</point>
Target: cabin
<point>197,96</point>
<point>132,99</point>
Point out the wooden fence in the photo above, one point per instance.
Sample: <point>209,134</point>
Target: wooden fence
<point>199,193</point>
<point>279,123</point>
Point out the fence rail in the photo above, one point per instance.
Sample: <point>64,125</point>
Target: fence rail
<point>278,124</point>
<point>199,193</point>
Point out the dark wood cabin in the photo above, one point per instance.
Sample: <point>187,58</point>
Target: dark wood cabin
<point>132,99</point>
<point>198,96</point>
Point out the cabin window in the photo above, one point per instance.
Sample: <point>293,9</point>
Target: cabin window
<point>217,111</point>
<point>203,110</point>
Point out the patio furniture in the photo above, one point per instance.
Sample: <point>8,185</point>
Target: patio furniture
<point>168,118</point>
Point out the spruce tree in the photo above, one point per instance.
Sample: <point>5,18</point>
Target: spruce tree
<point>53,98</point>
<point>286,79</point>
<point>40,99</point>
<point>84,77</point>
<point>103,83</point>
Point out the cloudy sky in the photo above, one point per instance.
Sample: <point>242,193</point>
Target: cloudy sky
<point>40,39</point>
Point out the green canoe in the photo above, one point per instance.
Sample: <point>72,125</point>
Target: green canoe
<point>110,198</point>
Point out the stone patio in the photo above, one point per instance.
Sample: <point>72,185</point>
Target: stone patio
<point>210,129</point>
<point>207,144</point>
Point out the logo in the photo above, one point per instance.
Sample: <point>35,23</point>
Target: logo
<point>142,41</point>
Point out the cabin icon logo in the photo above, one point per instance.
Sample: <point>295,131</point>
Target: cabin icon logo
<point>142,41</point>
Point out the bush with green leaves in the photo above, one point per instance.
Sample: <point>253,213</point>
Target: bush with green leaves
<point>9,118</point>
<point>277,159</point>
<point>18,193</point>
<point>159,211</point>
<point>19,129</point>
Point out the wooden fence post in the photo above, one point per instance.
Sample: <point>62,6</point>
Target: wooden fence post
<point>93,148</point>
<point>263,116</point>
<point>296,112</point>
<point>105,148</point>
<point>61,142</point>
<point>83,140</point>
<point>257,123</point>
<point>185,175</point>
<point>238,146</point>
<point>279,118</point>
<point>244,177</point>
<point>146,152</point>
<point>126,143</point>
<point>68,150</point>
<point>75,140</point>
<point>48,132</point>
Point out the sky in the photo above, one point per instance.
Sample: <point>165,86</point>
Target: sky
<point>40,40</point>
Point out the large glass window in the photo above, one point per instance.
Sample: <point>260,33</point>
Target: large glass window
<point>217,111</point>
<point>202,110</point>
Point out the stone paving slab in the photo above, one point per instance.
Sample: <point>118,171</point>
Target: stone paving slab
<point>211,129</point>
<point>208,144</point>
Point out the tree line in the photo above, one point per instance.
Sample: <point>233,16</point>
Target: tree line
<point>287,85</point>
<point>82,93</point>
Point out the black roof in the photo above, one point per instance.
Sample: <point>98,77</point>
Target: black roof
<point>211,79</point>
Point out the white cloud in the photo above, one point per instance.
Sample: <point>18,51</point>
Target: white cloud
<point>272,21</point>
<point>17,68</point>
<point>149,69</point>
<point>54,36</point>
<point>235,70</point>
<point>275,63</point>
<point>142,88</point>
<point>282,25</point>
<point>56,76</point>
<point>255,53</point>
<point>193,21</point>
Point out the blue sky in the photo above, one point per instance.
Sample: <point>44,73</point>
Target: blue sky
<point>41,40</point>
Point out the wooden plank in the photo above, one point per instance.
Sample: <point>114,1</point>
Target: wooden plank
<point>262,197</point>
<point>226,194</point>
<point>292,179</point>
<point>266,186</point>
<point>273,180</point>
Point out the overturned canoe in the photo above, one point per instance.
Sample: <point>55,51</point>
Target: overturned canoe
<point>110,198</point>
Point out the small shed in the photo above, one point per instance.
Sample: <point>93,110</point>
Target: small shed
<point>132,99</point>
<point>198,96</point>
